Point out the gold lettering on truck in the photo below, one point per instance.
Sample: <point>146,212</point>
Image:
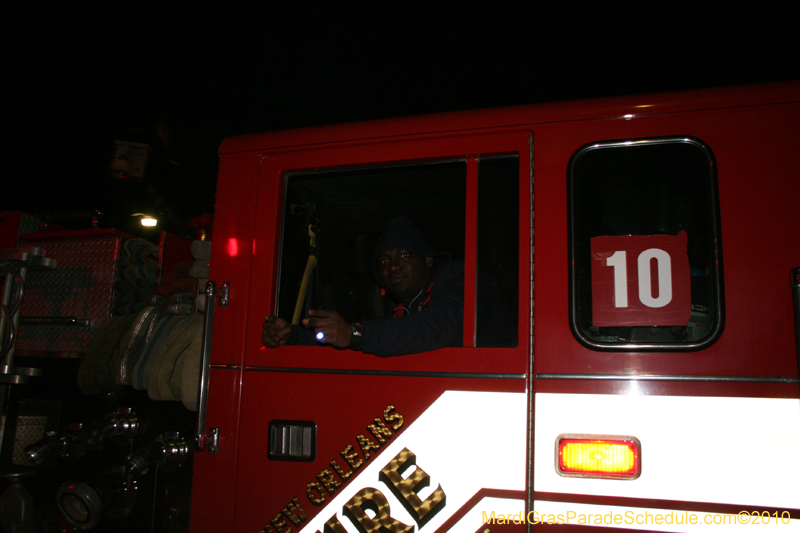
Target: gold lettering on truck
<point>315,486</point>
<point>280,524</point>
<point>406,490</point>
<point>342,474</point>
<point>379,431</point>
<point>394,416</point>
<point>327,483</point>
<point>294,512</point>
<point>366,445</point>
<point>352,457</point>
<point>333,526</point>
<point>326,478</point>
<point>370,499</point>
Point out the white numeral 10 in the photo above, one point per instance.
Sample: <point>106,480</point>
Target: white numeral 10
<point>664,262</point>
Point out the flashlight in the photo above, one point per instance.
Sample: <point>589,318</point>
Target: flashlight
<point>321,336</point>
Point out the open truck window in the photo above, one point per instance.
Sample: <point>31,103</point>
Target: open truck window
<point>645,265</point>
<point>348,209</point>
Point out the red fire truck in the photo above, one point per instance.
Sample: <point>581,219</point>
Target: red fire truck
<point>643,250</point>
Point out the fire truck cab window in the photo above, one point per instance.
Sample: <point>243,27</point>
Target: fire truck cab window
<point>645,265</point>
<point>347,211</point>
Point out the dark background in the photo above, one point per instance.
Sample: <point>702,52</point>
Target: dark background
<point>76,78</point>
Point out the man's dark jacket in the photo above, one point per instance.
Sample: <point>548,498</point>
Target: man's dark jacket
<point>437,324</point>
<point>434,318</point>
<point>424,328</point>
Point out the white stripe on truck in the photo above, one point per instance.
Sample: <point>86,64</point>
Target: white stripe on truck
<point>743,451</point>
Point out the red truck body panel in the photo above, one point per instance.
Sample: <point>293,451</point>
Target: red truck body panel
<point>503,409</point>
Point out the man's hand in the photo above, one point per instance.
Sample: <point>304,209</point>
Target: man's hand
<point>276,332</point>
<point>336,331</point>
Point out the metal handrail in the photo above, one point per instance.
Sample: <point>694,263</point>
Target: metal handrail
<point>200,439</point>
<point>796,298</point>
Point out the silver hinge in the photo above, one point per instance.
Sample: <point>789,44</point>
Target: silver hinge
<point>224,293</point>
<point>213,440</point>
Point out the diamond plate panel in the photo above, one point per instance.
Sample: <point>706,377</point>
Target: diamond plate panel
<point>30,429</point>
<point>82,286</point>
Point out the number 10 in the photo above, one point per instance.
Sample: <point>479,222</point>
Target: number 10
<point>619,261</point>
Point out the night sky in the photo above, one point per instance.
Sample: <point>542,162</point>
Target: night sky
<point>80,77</point>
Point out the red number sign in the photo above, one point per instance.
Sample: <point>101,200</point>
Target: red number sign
<point>640,280</point>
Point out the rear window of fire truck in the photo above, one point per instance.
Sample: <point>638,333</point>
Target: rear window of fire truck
<point>350,207</point>
<point>643,221</point>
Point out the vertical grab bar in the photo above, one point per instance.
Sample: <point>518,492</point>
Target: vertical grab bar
<point>200,438</point>
<point>796,298</point>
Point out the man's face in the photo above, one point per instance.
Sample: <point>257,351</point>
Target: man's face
<point>403,273</point>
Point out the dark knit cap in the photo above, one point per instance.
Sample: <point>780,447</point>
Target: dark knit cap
<point>402,234</point>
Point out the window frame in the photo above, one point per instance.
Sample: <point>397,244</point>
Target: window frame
<point>714,236</point>
<point>470,217</point>
<point>273,168</point>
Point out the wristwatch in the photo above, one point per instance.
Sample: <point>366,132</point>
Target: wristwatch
<point>357,337</point>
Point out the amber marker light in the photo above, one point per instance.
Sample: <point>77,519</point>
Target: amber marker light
<point>598,456</point>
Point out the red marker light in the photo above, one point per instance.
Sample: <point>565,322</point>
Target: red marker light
<point>233,247</point>
<point>598,456</point>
